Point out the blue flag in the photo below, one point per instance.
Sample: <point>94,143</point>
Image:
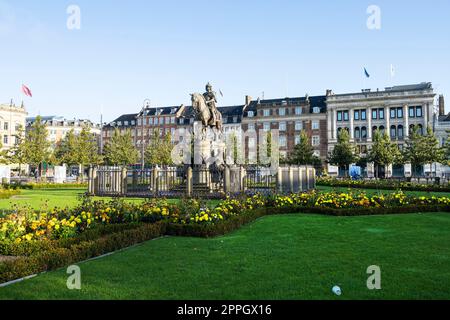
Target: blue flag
<point>367,74</point>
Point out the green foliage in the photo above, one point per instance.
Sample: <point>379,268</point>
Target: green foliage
<point>344,153</point>
<point>303,153</point>
<point>120,149</point>
<point>36,149</point>
<point>422,149</point>
<point>159,151</point>
<point>384,152</point>
<point>65,151</point>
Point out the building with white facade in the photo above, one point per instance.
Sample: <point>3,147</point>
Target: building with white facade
<point>394,110</point>
<point>12,118</point>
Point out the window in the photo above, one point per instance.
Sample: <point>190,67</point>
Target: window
<point>400,132</point>
<point>419,113</point>
<point>133,122</point>
<point>339,116</point>
<point>363,115</point>
<point>393,113</point>
<point>282,126</point>
<point>266,113</point>
<point>382,129</point>
<point>250,114</point>
<point>298,110</point>
<point>282,112</point>
<point>374,129</point>
<point>315,140</point>
<point>412,112</point>
<point>251,126</point>
<point>357,133</point>
<point>297,140</point>
<point>356,115</point>
<point>126,123</point>
<point>156,121</point>
<point>374,114</point>
<point>315,125</point>
<point>283,141</point>
<point>119,123</point>
<point>298,126</point>
<point>266,126</point>
<point>399,113</point>
<point>393,132</point>
<point>6,126</point>
<point>363,133</point>
<point>5,139</point>
<point>381,114</point>
<point>363,149</point>
<point>150,121</point>
<point>316,110</point>
<point>172,120</point>
<point>345,115</point>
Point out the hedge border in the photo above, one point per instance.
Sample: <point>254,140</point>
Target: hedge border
<point>95,243</point>
<point>383,187</point>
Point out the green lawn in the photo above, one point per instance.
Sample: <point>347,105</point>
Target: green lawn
<point>277,257</point>
<point>375,191</point>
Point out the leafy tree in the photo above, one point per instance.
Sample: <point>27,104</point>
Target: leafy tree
<point>447,150</point>
<point>434,153</point>
<point>303,153</point>
<point>383,151</point>
<point>344,153</point>
<point>86,150</point>
<point>65,151</point>
<point>120,149</point>
<point>159,151</point>
<point>17,153</point>
<point>421,150</point>
<point>37,147</point>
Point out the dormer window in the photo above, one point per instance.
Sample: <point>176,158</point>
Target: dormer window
<point>250,114</point>
<point>316,110</point>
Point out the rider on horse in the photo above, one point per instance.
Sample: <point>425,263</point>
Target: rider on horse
<point>211,100</point>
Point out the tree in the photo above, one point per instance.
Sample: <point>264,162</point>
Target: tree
<point>303,153</point>
<point>65,151</point>
<point>344,153</point>
<point>383,151</point>
<point>37,147</point>
<point>120,149</point>
<point>17,152</point>
<point>86,150</point>
<point>417,150</point>
<point>446,160</point>
<point>159,151</point>
<point>434,153</point>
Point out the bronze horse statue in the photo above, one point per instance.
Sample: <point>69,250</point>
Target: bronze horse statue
<point>204,113</point>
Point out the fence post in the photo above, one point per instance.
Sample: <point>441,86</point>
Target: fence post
<point>314,178</point>
<point>124,181</point>
<point>308,187</point>
<point>90,186</point>
<point>95,186</point>
<point>280,180</point>
<point>291,179</point>
<point>189,182</point>
<point>227,179</point>
<point>242,176</point>
<point>156,177</point>
<point>300,178</point>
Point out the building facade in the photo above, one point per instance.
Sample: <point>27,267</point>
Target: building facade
<point>12,118</point>
<point>58,127</point>
<point>394,110</point>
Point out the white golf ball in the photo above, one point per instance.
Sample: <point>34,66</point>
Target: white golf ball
<point>337,291</point>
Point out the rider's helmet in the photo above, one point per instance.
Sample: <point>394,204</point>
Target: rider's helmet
<point>208,86</point>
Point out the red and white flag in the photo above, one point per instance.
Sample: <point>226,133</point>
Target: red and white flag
<point>27,91</point>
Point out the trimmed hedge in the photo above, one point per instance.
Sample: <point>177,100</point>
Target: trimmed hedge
<point>55,257</point>
<point>40,186</point>
<point>386,185</point>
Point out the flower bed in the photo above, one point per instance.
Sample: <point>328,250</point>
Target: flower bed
<point>47,240</point>
<point>381,184</point>
<point>8,193</point>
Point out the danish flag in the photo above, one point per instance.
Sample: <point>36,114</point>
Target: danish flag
<point>27,91</point>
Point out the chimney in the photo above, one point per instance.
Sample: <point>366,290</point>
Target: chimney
<point>248,100</point>
<point>441,105</point>
<point>329,92</point>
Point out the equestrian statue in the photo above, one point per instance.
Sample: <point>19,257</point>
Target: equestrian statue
<point>205,107</point>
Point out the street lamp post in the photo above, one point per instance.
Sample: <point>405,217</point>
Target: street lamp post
<point>146,104</point>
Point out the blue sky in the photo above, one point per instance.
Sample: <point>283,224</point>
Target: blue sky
<point>127,51</point>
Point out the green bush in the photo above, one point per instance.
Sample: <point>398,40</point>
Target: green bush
<point>57,257</point>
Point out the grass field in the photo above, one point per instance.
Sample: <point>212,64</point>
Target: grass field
<point>277,257</point>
